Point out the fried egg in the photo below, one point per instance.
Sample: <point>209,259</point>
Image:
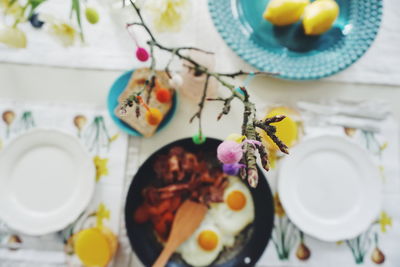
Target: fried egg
<point>204,245</point>
<point>237,210</point>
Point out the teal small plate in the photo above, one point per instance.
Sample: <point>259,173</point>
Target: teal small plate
<point>112,102</point>
<point>287,50</point>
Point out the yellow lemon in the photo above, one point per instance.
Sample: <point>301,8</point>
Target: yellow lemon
<point>284,12</point>
<point>95,246</point>
<point>319,16</point>
<point>286,130</point>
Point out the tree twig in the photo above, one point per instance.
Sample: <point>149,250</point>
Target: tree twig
<point>253,143</point>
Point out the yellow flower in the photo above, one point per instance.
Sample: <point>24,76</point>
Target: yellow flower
<point>168,15</point>
<point>339,242</point>
<point>101,167</point>
<point>385,220</point>
<point>278,206</point>
<point>12,37</point>
<point>114,137</point>
<point>101,214</point>
<point>383,146</point>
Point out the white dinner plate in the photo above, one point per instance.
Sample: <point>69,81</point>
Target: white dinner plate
<point>330,188</point>
<point>47,179</point>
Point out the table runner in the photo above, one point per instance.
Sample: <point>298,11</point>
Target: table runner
<point>383,234</point>
<point>109,47</point>
<point>106,144</point>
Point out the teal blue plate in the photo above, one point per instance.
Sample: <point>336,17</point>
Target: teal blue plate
<point>287,50</point>
<point>112,102</point>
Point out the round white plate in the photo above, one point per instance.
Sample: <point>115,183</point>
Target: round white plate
<point>330,188</point>
<point>47,179</point>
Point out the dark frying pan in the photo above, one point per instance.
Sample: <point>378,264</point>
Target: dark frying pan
<point>250,243</point>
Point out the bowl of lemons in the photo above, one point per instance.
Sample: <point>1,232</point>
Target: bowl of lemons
<point>298,39</point>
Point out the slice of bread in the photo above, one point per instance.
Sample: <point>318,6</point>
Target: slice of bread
<point>135,84</point>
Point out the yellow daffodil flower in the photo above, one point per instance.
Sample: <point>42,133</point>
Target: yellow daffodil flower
<point>385,220</point>
<point>101,167</point>
<point>383,146</point>
<point>114,137</point>
<point>101,214</point>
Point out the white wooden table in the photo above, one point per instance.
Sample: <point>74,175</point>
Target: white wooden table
<point>59,85</point>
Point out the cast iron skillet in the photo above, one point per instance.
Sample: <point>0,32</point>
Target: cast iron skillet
<point>249,245</point>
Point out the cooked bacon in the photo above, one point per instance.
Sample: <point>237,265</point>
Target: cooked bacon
<point>151,195</point>
<point>190,162</point>
<point>174,187</point>
<point>181,175</point>
<point>173,164</point>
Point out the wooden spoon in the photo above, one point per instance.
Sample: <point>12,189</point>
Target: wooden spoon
<point>187,219</point>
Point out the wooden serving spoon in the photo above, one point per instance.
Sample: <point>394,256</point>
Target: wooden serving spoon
<point>187,219</point>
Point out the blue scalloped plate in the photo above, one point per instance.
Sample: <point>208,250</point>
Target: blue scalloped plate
<point>287,50</point>
<point>112,102</point>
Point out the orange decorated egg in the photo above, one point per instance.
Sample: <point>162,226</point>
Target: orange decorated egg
<point>154,116</point>
<point>163,95</point>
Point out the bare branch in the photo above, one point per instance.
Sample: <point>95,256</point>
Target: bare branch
<point>253,142</point>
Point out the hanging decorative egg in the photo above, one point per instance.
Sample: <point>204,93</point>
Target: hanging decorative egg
<point>199,139</point>
<point>92,16</point>
<point>142,54</point>
<point>163,95</point>
<point>153,116</point>
<point>176,81</point>
<point>232,169</point>
<point>229,152</point>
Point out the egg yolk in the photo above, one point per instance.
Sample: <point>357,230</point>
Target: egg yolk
<point>236,200</point>
<point>208,240</point>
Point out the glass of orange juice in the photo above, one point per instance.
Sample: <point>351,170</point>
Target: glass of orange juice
<point>287,130</point>
<point>95,246</point>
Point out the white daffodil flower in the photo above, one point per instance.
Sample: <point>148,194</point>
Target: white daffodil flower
<point>62,31</point>
<point>168,15</point>
<point>12,37</point>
